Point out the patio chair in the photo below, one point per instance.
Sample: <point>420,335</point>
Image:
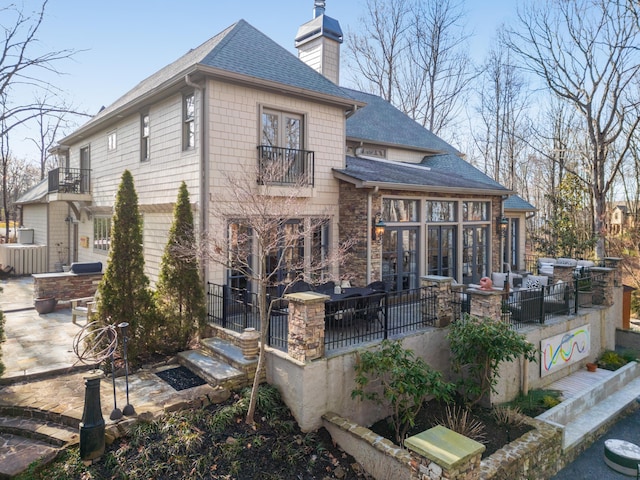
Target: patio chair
<point>6,271</point>
<point>82,307</point>
<point>378,286</point>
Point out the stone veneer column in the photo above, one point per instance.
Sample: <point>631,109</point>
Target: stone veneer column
<point>614,262</point>
<point>563,273</point>
<point>442,289</point>
<point>486,303</point>
<point>306,325</point>
<point>603,287</point>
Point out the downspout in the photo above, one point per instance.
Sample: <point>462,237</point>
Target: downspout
<point>368,230</point>
<point>204,166</point>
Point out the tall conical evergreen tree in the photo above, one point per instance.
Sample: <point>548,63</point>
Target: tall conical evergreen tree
<point>180,292</point>
<point>124,294</point>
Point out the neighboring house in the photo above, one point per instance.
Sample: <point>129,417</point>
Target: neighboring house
<point>224,105</point>
<point>621,218</point>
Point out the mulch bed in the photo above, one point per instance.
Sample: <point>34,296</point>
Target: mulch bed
<point>180,378</point>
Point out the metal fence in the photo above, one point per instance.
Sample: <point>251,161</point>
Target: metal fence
<point>526,306</point>
<point>348,322</point>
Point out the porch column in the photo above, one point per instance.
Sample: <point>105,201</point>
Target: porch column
<point>306,325</point>
<point>442,290</point>
<point>604,287</point>
<point>486,303</point>
<point>563,273</point>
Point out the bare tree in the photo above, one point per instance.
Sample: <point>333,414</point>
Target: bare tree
<point>503,110</point>
<point>413,54</point>
<point>586,53</point>
<point>438,68</point>
<point>377,52</point>
<point>268,237</point>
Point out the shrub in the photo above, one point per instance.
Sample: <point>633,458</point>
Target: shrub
<point>611,360</point>
<point>405,383</point>
<point>536,401</point>
<point>478,347</point>
<point>460,420</point>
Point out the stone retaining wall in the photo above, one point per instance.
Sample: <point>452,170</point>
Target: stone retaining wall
<point>65,286</point>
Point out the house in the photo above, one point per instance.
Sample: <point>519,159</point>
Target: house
<point>411,202</point>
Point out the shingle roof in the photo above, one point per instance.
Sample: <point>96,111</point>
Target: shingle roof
<point>239,49</point>
<point>382,123</point>
<point>391,174</point>
<point>515,202</point>
<point>36,194</point>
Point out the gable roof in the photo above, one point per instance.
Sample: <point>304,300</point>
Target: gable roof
<point>370,172</point>
<point>240,53</point>
<point>381,123</point>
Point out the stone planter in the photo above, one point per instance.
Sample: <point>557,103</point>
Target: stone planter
<point>45,304</point>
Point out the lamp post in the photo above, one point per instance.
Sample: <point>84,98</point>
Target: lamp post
<point>128,408</point>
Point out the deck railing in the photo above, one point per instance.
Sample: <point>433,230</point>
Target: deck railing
<point>69,180</point>
<point>285,166</point>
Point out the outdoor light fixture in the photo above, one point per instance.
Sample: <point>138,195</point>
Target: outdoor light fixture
<point>503,225</point>
<point>378,226</point>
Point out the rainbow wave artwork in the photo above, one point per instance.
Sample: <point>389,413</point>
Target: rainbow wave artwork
<point>564,349</point>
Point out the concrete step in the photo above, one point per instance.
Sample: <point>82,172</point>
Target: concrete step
<point>214,372</point>
<point>42,430</point>
<point>591,419</point>
<point>227,352</point>
<point>42,415</point>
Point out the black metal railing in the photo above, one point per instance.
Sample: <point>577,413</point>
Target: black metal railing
<point>285,166</point>
<point>238,308</point>
<point>378,316</point>
<point>69,180</point>
<point>526,306</point>
<point>460,304</point>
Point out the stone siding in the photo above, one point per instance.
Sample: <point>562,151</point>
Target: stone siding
<point>65,286</point>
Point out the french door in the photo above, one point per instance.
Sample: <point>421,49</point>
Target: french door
<point>400,257</point>
<point>441,251</point>
<point>475,253</point>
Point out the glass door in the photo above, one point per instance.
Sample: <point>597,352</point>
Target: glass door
<point>441,251</point>
<point>475,254</point>
<point>399,257</point>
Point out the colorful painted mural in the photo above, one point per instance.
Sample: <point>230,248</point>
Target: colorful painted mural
<point>561,350</point>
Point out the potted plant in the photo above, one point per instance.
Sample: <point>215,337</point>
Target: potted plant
<point>45,304</point>
<point>584,287</point>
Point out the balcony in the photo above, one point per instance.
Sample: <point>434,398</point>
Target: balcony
<point>70,180</point>
<point>285,166</point>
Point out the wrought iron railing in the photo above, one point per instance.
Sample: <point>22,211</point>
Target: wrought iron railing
<point>69,180</point>
<point>285,166</point>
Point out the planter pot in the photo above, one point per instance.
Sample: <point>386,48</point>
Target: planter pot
<point>45,305</point>
<point>592,367</point>
<point>585,299</point>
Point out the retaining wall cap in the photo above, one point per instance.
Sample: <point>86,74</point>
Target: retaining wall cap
<point>447,448</point>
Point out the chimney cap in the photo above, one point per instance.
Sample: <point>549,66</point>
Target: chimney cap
<point>318,8</point>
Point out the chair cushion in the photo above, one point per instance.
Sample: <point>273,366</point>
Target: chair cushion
<point>536,281</point>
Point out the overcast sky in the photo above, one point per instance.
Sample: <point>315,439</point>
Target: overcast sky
<point>121,42</point>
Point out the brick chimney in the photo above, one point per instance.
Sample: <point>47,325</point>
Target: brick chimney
<point>318,43</point>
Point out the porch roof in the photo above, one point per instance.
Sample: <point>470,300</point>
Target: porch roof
<point>517,203</point>
<point>441,173</point>
<point>37,194</point>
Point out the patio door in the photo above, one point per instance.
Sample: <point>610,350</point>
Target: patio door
<point>399,257</point>
<point>441,251</point>
<point>475,253</point>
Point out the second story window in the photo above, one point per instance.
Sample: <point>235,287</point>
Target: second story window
<point>281,154</point>
<point>189,121</point>
<point>112,141</point>
<point>144,137</point>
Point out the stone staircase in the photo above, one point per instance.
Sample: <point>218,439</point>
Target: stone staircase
<point>28,435</point>
<point>220,363</point>
<point>585,416</point>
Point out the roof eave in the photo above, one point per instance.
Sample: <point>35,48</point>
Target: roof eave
<point>421,188</point>
<point>399,145</point>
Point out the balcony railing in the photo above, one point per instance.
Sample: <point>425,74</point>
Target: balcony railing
<point>70,180</point>
<point>285,166</point>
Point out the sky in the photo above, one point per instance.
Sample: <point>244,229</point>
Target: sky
<point>121,42</point>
